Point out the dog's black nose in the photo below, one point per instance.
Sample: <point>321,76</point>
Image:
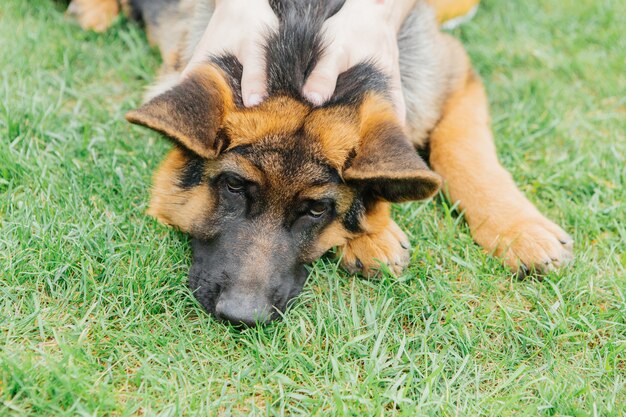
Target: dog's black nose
<point>238,311</point>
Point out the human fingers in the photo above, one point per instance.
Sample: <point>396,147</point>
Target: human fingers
<point>321,83</point>
<point>397,96</point>
<point>207,46</point>
<point>253,79</point>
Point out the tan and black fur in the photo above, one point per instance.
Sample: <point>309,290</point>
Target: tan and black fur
<point>249,184</point>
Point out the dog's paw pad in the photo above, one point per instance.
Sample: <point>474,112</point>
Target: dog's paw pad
<point>366,253</point>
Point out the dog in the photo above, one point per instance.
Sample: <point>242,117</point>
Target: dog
<point>264,191</point>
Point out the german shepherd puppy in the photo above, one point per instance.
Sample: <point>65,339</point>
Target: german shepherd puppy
<point>264,191</point>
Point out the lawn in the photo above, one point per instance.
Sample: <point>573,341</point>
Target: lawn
<point>96,318</point>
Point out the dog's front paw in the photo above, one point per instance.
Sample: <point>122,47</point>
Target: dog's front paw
<point>365,253</point>
<point>530,245</point>
<point>96,15</point>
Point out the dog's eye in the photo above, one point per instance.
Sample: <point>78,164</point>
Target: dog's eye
<point>317,210</point>
<point>234,185</point>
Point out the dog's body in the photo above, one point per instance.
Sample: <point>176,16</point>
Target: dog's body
<point>341,164</point>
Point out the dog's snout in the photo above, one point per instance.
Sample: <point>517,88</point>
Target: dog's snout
<point>242,310</point>
<point>248,289</point>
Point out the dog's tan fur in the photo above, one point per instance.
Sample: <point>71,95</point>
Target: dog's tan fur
<point>275,115</point>
<point>170,203</point>
<point>455,123</point>
<point>96,15</point>
<point>382,242</point>
<point>501,219</point>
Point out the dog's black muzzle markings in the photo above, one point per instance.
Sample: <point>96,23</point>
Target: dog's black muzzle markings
<point>240,287</point>
<point>266,190</point>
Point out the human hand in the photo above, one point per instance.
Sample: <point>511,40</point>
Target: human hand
<point>362,30</point>
<point>239,27</point>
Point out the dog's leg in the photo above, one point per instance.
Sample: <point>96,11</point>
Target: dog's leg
<point>96,15</point>
<point>500,218</point>
<point>382,242</point>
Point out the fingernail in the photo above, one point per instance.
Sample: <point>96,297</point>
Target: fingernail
<point>254,99</point>
<point>315,98</point>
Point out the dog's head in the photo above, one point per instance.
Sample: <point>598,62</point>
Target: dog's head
<point>266,190</point>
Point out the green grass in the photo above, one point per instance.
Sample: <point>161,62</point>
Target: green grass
<point>96,318</point>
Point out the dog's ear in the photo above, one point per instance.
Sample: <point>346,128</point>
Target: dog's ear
<point>191,112</point>
<point>385,163</point>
